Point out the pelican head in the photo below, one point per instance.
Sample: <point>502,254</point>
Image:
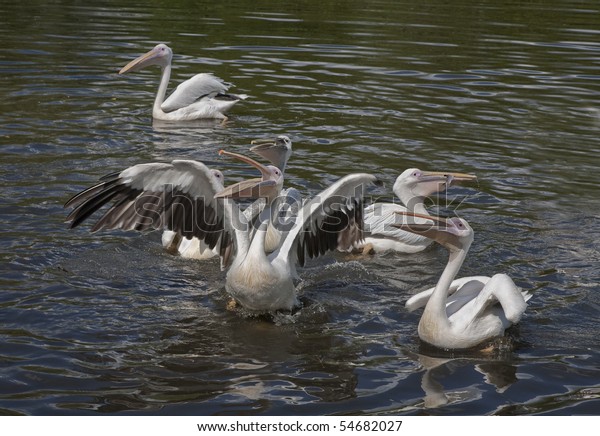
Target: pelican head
<point>414,182</point>
<point>218,175</point>
<point>160,55</point>
<point>276,150</point>
<point>452,233</point>
<point>268,186</point>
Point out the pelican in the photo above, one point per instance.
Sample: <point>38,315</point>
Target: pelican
<point>183,196</point>
<point>412,187</point>
<point>177,197</point>
<point>467,312</point>
<point>263,282</point>
<point>200,97</point>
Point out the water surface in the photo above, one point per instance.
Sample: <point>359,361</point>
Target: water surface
<point>109,323</point>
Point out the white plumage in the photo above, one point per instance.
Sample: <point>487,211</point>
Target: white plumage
<point>412,188</point>
<point>265,282</point>
<point>203,96</point>
<point>467,312</point>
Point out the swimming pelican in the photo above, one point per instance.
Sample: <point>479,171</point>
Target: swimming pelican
<point>412,187</point>
<point>466,312</point>
<point>183,196</point>
<point>202,96</point>
<point>264,282</point>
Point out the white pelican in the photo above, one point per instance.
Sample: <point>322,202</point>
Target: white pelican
<point>462,313</point>
<point>264,282</point>
<point>200,97</point>
<point>176,196</point>
<point>184,197</point>
<point>412,187</point>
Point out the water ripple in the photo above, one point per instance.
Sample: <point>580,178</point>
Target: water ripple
<point>109,323</point>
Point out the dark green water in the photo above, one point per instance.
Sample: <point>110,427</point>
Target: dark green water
<point>109,323</point>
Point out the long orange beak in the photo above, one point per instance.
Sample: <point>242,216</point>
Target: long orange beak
<point>459,177</point>
<point>140,62</point>
<point>263,169</point>
<point>264,187</point>
<point>420,227</point>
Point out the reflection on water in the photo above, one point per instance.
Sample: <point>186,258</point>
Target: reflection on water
<point>494,365</point>
<point>109,323</point>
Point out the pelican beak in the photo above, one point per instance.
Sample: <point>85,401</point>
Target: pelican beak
<point>272,150</point>
<point>263,143</point>
<point>433,224</point>
<point>252,188</point>
<point>448,177</point>
<point>438,229</point>
<point>141,62</point>
<point>263,187</point>
<point>263,169</point>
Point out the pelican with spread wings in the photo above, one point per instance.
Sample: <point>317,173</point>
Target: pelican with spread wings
<point>276,150</point>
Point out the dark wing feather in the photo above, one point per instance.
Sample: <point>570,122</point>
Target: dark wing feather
<point>333,216</point>
<point>339,228</point>
<point>177,196</point>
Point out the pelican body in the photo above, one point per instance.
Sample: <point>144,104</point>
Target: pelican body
<point>264,282</point>
<point>203,96</point>
<point>412,187</point>
<point>467,312</point>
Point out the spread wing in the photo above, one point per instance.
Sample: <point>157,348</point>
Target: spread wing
<point>330,219</point>
<point>176,196</point>
<point>192,90</point>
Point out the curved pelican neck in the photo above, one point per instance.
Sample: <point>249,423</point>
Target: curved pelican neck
<point>162,90</point>
<point>436,305</point>
<point>257,245</point>
<point>281,254</point>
